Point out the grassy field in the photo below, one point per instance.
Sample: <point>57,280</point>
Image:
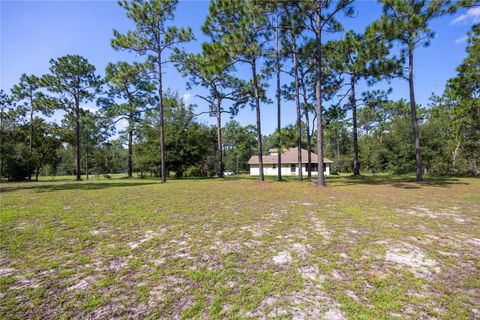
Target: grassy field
<point>369,248</point>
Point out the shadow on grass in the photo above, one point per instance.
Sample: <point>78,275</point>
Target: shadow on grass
<point>403,182</point>
<point>48,186</point>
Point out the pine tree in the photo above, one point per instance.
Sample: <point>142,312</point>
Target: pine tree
<point>408,23</point>
<point>357,58</point>
<point>153,37</point>
<point>212,70</point>
<point>129,96</point>
<point>243,28</point>
<point>74,80</point>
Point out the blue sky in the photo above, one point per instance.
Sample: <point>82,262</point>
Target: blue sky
<point>33,32</point>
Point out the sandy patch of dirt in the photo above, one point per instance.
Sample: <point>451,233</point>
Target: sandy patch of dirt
<point>311,273</point>
<point>24,284</point>
<point>310,303</point>
<point>474,241</point>
<point>411,257</point>
<point>301,250</point>
<point>149,235</point>
<point>282,258</point>
<point>320,228</point>
<point>6,271</point>
<point>255,230</point>
<point>452,214</point>
<point>83,284</point>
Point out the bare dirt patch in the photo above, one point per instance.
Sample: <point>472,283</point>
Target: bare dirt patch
<point>411,257</point>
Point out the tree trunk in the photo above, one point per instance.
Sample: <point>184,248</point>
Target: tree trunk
<point>130,146</point>
<point>353,102</point>
<point>160,109</point>
<point>279,124</point>
<point>86,162</point>
<point>31,125</point>
<point>413,109</point>
<point>307,128</point>
<point>454,156</point>
<point>309,145</point>
<point>337,145</point>
<point>318,94</point>
<point>77,140</point>
<point>219,138</point>
<point>299,113</point>
<point>1,141</point>
<point>236,158</point>
<point>259,130</point>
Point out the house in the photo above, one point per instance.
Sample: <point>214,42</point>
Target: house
<point>289,163</point>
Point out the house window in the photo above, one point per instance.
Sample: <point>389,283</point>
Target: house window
<point>293,168</point>
<point>274,166</point>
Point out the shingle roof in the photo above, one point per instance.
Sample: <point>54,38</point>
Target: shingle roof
<point>288,157</point>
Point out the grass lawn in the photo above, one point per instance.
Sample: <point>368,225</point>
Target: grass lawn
<point>375,247</point>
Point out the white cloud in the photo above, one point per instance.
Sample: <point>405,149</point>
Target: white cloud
<point>91,108</point>
<point>461,40</point>
<point>471,16</point>
<point>122,124</point>
<point>186,97</point>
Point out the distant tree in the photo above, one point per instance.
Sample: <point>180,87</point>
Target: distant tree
<point>357,58</point>
<point>240,145</point>
<point>95,131</point>
<point>335,123</point>
<point>456,113</point>
<point>211,69</point>
<point>408,23</point>
<point>153,37</point>
<point>277,12</point>
<point>74,81</point>
<point>4,104</point>
<point>243,28</point>
<point>130,93</point>
<point>292,26</point>
<point>29,97</point>
<point>320,18</point>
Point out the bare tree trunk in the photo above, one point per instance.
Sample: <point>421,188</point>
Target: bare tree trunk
<point>219,138</point>
<point>318,94</point>
<point>353,102</point>
<point>1,141</point>
<point>413,109</point>
<point>279,124</point>
<point>31,125</point>
<point>454,156</point>
<point>130,146</point>
<point>236,158</point>
<point>31,131</point>
<point>86,162</point>
<point>337,144</point>
<point>259,130</point>
<point>160,107</point>
<point>307,128</point>
<point>309,147</point>
<point>77,140</point>
<point>299,112</point>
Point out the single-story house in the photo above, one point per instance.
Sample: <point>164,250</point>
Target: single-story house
<point>289,163</point>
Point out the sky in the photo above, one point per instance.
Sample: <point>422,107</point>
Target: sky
<point>33,32</point>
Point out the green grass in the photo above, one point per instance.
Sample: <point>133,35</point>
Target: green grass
<point>374,247</point>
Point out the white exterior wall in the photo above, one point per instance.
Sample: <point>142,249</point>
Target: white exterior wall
<point>268,170</point>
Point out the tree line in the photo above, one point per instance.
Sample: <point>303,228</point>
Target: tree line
<point>284,40</point>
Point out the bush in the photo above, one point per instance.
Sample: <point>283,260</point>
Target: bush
<point>193,171</point>
<point>107,176</point>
